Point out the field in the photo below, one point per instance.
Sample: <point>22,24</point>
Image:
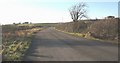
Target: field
<point>16,40</point>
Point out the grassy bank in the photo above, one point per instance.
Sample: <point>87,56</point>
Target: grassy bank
<point>87,36</point>
<point>16,40</point>
<point>101,29</point>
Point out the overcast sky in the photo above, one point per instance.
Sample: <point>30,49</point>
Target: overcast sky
<point>51,11</point>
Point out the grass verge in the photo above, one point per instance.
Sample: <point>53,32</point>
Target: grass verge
<point>87,36</point>
<point>16,43</point>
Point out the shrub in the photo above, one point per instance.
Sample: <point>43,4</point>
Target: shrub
<point>107,29</point>
<point>101,28</point>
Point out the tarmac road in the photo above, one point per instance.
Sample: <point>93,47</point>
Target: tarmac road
<point>53,45</point>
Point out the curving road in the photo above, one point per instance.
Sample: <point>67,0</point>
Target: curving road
<point>52,45</point>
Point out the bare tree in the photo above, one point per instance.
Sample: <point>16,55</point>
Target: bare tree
<point>78,11</point>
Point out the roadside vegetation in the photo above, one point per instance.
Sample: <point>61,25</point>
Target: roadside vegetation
<point>104,29</point>
<point>16,40</point>
<point>100,29</point>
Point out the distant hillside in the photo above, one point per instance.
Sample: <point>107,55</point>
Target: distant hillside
<point>46,24</point>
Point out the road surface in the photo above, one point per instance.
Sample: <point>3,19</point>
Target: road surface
<point>53,45</point>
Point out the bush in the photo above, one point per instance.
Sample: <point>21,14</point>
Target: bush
<point>73,26</point>
<point>102,28</point>
<point>79,26</point>
<point>107,29</point>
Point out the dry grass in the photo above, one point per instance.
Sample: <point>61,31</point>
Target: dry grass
<point>105,29</point>
<point>16,40</point>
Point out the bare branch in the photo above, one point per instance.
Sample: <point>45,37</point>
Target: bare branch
<point>78,11</point>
